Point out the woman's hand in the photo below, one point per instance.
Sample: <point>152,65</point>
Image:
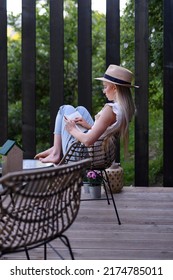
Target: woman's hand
<point>70,124</point>
<point>82,122</point>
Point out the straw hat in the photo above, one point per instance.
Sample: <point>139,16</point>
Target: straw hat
<point>118,75</point>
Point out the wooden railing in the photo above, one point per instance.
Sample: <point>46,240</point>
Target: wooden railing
<point>85,66</point>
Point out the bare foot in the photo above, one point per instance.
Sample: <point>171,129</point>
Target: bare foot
<point>53,158</point>
<point>44,153</point>
<point>49,155</point>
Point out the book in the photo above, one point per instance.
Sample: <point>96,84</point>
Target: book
<point>76,115</point>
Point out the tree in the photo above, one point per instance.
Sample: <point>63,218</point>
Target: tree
<point>42,66</point>
<point>155,47</point>
<point>155,81</point>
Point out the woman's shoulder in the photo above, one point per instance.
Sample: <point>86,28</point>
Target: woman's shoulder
<point>115,107</point>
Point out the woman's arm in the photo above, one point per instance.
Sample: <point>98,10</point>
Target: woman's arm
<point>81,121</point>
<point>106,119</point>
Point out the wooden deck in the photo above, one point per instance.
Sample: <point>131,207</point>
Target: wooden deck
<point>146,231</point>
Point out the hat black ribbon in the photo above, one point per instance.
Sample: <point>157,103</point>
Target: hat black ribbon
<point>115,80</point>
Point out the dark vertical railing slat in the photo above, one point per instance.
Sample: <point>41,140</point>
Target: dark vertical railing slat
<point>84,54</point>
<point>168,94</point>
<point>3,74</point>
<point>113,40</point>
<point>141,96</point>
<point>56,59</point>
<point>28,77</point>
<point>112,32</point>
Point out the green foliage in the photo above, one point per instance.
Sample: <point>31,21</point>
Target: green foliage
<point>155,151</point>
<point>156,146</point>
<point>15,116</point>
<point>98,59</point>
<point>127,25</point>
<point>127,162</point>
<point>42,75</point>
<point>70,53</point>
<point>14,83</point>
<point>155,20</point>
<point>42,64</point>
<point>127,33</point>
<point>14,70</point>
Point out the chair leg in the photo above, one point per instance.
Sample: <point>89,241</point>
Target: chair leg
<point>45,251</point>
<point>27,254</point>
<point>112,197</point>
<point>104,185</point>
<point>66,241</point>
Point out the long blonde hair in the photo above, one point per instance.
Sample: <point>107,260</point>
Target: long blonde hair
<point>124,98</point>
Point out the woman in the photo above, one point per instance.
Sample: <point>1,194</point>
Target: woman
<point>114,116</point>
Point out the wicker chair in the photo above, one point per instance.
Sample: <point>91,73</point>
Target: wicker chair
<point>102,154</point>
<point>44,204</point>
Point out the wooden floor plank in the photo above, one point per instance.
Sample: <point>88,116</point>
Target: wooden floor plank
<point>146,231</point>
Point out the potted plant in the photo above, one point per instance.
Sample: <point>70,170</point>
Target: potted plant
<point>95,180</point>
<point>85,183</point>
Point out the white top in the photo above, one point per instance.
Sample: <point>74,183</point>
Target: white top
<point>116,108</point>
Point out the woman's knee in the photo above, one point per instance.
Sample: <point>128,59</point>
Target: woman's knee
<point>81,109</point>
<point>85,114</point>
<point>65,109</point>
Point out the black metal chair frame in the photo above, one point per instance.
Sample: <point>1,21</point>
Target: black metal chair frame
<point>44,204</point>
<point>102,155</point>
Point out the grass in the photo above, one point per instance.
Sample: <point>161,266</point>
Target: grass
<point>156,148</point>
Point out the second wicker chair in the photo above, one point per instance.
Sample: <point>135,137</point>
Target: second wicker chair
<point>102,154</point>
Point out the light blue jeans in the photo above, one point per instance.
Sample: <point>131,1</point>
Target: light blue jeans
<point>59,129</point>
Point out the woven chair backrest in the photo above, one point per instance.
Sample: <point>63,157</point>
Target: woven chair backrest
<point>39,205</point>
<point>102,153</point>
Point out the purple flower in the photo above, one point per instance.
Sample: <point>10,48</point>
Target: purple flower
<point>94,177</point>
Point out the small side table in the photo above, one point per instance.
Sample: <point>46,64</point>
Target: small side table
<point>31,164</point>
<point>34,164</point>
